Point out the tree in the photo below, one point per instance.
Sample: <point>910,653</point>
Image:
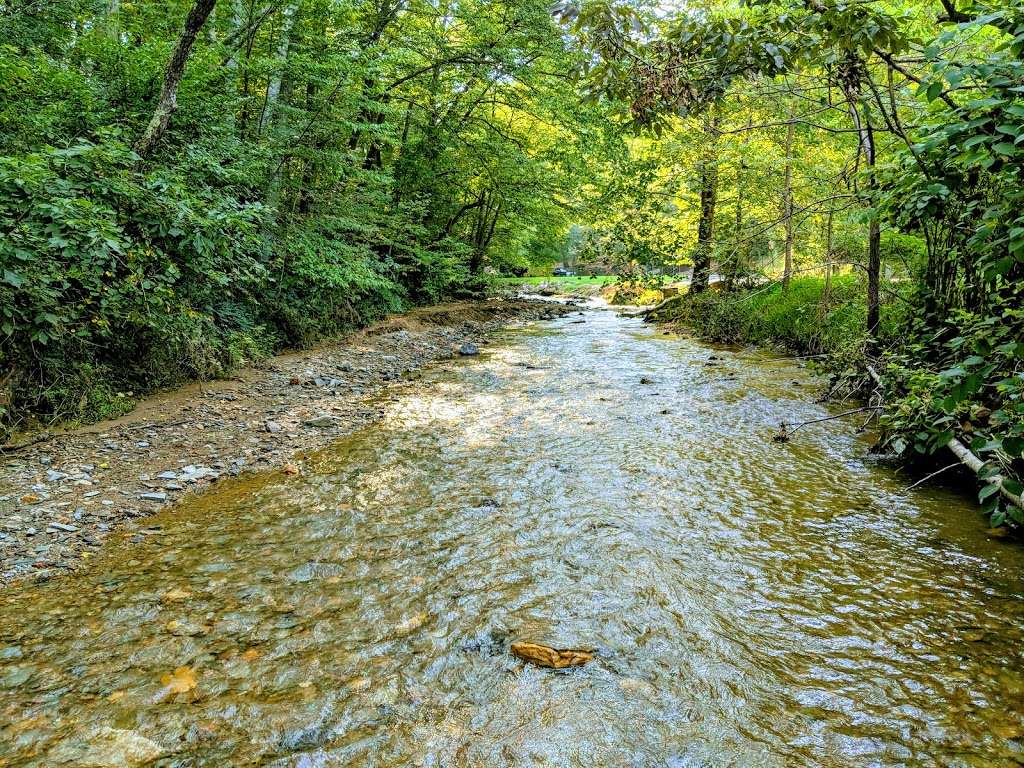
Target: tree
<point>168,101</point>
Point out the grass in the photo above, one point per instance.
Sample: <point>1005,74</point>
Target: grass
<point>796,320</point>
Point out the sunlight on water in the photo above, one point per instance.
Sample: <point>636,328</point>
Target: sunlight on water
<point>751,604</point>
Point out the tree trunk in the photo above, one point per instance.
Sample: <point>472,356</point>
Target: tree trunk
<point>309,168</point>
<point>237,20</point>
<point>873,260</point>
<point>787,205</point>
<point>274,86</point>
<point>708,204</point>
<point>168,101</point>
<point>733,267</point>
<point>113,27</point>
<point>826,294</point>
<point>866,135</point>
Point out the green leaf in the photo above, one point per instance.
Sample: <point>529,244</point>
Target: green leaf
<point>1013,446</point>
<point>988,490</point>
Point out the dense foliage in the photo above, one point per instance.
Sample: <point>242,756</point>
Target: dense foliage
<point>815,137</point>
<point>188,185</point>
<point>324,161</point>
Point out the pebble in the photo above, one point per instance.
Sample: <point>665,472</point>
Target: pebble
<point>153,496</point>
<point>64,527</point>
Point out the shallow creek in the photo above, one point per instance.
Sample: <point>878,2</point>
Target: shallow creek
<point>751,603</point>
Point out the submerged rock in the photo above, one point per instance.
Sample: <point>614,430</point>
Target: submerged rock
<point>468,349</point>
<point>553,658</point>
<point>109,748</point>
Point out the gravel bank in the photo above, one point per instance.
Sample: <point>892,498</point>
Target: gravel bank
<point>60,498</point>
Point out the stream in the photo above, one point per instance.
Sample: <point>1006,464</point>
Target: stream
<point>751,603</point>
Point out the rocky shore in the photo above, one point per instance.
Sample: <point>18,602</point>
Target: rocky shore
<point>62,496</point>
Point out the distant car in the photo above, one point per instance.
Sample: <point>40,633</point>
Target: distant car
<point>562,272</point>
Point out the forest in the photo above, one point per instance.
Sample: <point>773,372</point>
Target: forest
<point>192,185</point>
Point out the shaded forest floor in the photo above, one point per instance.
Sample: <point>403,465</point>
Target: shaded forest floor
<point>62,496</point>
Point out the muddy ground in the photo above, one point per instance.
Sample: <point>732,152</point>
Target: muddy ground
<point>62,497</point>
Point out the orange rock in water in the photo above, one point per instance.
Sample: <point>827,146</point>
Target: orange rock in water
<point>553,658</point>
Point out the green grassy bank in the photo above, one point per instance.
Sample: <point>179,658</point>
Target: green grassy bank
<point>802,320</point>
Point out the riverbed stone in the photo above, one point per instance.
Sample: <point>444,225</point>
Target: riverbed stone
<point>108,748</point>
<point>469,349</point>
<point>323,420</point>
<point>102,469</point>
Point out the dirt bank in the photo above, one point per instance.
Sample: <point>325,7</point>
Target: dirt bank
<point>60,498</point>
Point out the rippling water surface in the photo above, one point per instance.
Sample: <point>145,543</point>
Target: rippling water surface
<point>753,604</point>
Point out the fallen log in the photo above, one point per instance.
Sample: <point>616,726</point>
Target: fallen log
<point>975,464</point>
<point>651,310</point>
<point>970,460</point>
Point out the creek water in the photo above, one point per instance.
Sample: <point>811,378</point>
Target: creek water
<point>751,603</point>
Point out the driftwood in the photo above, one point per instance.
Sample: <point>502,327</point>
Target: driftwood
<point>969,460</point>
<point>651,310</point>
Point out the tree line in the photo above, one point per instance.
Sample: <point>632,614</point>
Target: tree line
<point>185,186</point>
<point>784,138</point>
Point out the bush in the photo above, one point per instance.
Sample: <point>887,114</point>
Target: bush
<point>113,281</point>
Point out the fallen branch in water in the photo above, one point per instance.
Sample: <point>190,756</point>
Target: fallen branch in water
<point>783,434</point>
<point>793,357</point>
<point>969,460</point>
<point>926,478</point>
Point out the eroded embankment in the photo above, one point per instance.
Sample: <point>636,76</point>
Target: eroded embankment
<point>60,498</point>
